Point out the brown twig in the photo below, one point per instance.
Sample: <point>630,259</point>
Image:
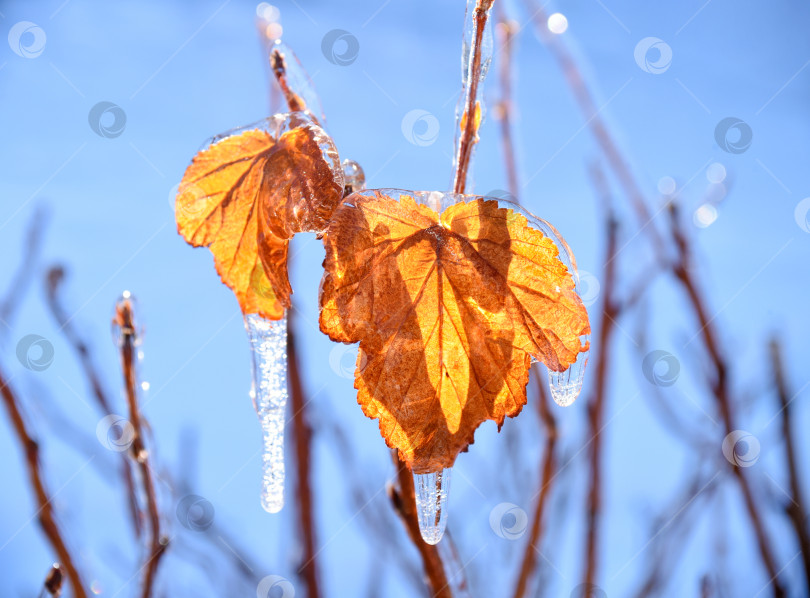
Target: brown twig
<point>403,498</point>
<point>633,192</point>
<point>302,438</point>
<point>27,268</point>
<point>595,122</point>
<point>45,512</point>
<point>504,108</point>
<point>54,279</point>
<point>797,507</point>
<point>471,117</point>
<point>279,66</point>
<point>125,319</point>
<point>670,532</point>
<point>721,391</point>
<point>597,402</point>
<point>548,471</point>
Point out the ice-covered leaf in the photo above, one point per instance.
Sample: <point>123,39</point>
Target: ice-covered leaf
<point>449,308</point>
<point>247,193</point>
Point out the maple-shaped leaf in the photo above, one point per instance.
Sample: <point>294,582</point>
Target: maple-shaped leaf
<point>248,192</point>
<point>449,308</point>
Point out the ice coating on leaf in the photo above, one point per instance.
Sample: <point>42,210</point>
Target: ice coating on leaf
<point>432,491</point>
<point>450,297</point>
<point>268,351</point>
<point>248,191</point>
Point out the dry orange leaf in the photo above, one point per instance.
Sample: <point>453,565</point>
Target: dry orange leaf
<point>449,310</point>
<point>248,193</point>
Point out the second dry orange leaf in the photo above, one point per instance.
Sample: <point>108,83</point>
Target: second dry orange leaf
<point>449,310</point>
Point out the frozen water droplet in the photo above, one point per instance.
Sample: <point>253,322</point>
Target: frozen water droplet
<point>565,386</point>
<point>354,179</point>
<point>268,344</point>
<point>432,490</point>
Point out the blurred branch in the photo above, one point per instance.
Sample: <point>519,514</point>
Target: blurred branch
<point>797,507</point>
<point>504,109</point>
<point>125,319</point>
<point>45,512</point>
<point>548,471</point>
<point>592,114</point>
<point>54,279</point>
<point>720,389</point>
<point>403,499</point>
<point>302,437</point>
<point>669,541</point>
<point>471,116</point>
<point>27,268</point>
<point>596,404</point>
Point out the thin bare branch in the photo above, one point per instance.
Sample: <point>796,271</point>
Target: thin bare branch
<point>302,438</point>
<point>596,404</point>
<point>45,513</point>
<point>504,109</point>
<point>796,508</point>
<point>403,498</point>
<point>722,393</point>
<point>125,319</point>
<point>471,117</point>
<point>548,473</point>
<point>26,270</point>
<point>53,286</point>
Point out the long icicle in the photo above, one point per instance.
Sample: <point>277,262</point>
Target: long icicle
<point>268,343</point>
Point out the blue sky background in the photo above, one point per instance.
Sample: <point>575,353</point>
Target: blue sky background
<point>183,72</point>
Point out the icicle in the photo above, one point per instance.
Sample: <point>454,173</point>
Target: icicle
<point>565,386</point>
<point>431,490</point>
<point>268,343</point>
